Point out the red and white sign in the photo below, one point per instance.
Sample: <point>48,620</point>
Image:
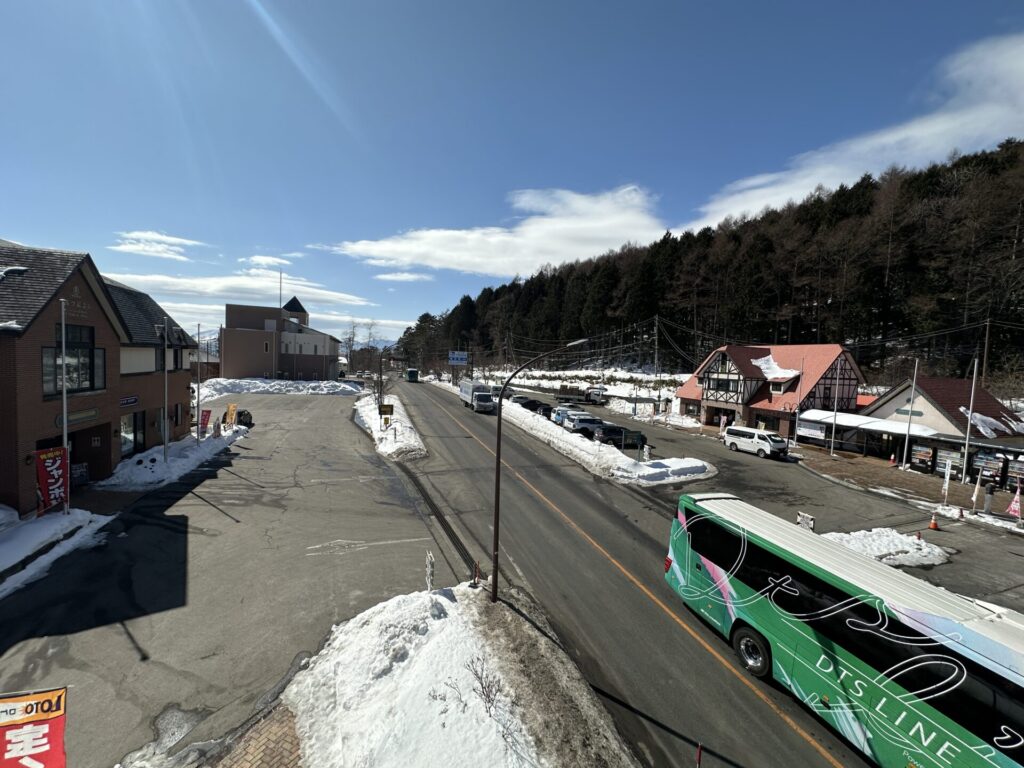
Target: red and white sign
<point>204,420</point>
<point>32,729</point>
<point>1014,509</point>
<point>53,478</point>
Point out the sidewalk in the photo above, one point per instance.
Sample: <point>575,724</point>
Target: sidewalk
<point>269,743</point>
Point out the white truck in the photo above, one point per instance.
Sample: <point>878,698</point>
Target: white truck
<point>476,395</point>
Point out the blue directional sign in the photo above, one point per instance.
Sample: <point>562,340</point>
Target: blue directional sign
<point>458,358</point>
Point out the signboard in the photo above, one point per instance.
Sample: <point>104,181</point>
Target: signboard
<point>53,478</point>
<point>386,409</point>
<point>810,429</point>
<point>204,420</point>
<point>988,464</point>
<point>32,729</point>
<point>458,358</point>
<point>77,417</point>
<point>232,412</point>
<point>387,422</point>
<point>124,402</point>
<point>805,521</point>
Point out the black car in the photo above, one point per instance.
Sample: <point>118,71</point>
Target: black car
<point>620,437</point>
<point>544,410</point>
<point>531,404</point>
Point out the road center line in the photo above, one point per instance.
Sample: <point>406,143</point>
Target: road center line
<point>741,676</point>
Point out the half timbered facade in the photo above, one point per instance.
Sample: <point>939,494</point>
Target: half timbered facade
<point>764,386</point>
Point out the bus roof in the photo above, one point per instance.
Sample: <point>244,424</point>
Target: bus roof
<point>899,590</point>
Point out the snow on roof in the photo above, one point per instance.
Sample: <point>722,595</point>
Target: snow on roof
<point>869,423</point>
<point>772,371</point>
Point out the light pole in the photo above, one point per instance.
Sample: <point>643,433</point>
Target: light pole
<point>64,393</point>
<point>497,461</point>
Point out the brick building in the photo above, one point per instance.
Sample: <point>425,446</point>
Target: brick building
<point>275,343</point>
<point>114,367</point>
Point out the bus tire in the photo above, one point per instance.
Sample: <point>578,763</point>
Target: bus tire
<point>753,652</point>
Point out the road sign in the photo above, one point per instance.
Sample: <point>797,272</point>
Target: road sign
<point>458,358</point>
<point>386,409</point>
<point>32,729</point>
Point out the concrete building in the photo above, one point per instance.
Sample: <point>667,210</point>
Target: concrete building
<point>273,342</point>
<point>762,386</point>
<point>114,366</point>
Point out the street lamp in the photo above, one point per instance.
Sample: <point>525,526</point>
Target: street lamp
<point>497,460</point>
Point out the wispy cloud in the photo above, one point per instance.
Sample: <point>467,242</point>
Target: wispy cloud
<point>156,244</point>
<point>265,261</point>
<point>293,255</point>
<point>256,285</point>
<point>556,226</point>
<point>980,102</point>
<point>339,324</point>
<point>403,277</point>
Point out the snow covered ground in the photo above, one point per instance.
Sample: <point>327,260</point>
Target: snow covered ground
<point>18,542</point>
<point>645,412</point>
<point>431,678</point>
<point>617,382</point>
<point>212,388</point>
<point>400,440</point>
<point>148,469</point>
<point>604,460</point>
<point>891,547</point>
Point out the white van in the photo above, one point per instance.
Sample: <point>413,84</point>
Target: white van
<point>758,441</point>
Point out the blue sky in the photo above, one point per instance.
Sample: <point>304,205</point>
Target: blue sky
<point>389,157</point>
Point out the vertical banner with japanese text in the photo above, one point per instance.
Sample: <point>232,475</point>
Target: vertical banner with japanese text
<point>204,420</point>
<point>32,729</point>
<point>232,412</point>
<point>53,478</point>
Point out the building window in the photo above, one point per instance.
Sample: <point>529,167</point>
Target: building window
<point>177,414</point>
<point>314,350</point>
<point>778,387</point>
<point>160,354</point>
<point>85,365</point>
<point>177,359</point>
<point>266,346</point>
<point>826,394</point>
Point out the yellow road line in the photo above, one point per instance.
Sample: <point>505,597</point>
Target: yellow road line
<point>741,676</point>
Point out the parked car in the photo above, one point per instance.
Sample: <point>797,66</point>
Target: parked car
<point>584,424</point>
<point>519,399</point>
<point>544,410</point>
<point>531,404</point>
<point>759,441</point>
<point>620,437</point>
<point>559,412</point>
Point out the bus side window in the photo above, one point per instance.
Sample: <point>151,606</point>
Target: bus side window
<point>713,541</point>
<point>1009,718</point>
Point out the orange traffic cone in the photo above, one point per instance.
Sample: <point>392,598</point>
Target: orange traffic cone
<point>933,526</point>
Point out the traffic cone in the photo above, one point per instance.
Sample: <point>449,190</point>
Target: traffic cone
<point>933,526</point>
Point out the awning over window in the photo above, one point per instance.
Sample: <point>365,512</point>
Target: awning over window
<point>867,423</point>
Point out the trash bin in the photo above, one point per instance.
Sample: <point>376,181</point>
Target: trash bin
<point>243,418</point>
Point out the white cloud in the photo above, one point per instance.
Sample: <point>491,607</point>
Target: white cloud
<point>293,255</point>
<point>980,103</point>
<point>265,261</point>
<point>403,277</point>
<point>557,226</point>
<point>338,324</point>
<point>156,244</point>
<point>249,286</point>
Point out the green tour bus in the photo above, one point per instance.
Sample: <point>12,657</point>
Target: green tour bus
<point>411,374</point>
<point>913,675</point>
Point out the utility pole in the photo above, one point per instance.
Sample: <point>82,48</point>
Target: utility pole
<point>984,365</point>
<point>64,397</point>
<point>657,368</point>
<point>910,414</point>
<point>835,408</point>
<point>199,379</point>
<point>970,421</point>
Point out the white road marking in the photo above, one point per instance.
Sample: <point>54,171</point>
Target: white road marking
<point>344,546</point>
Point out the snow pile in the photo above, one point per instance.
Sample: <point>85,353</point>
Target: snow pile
<point>149,470</point>
<point>645,412</point>
<point>408,682</point>
<point>400,440</point>
<point>11,325</point>
<point>616,382</point>
<point>22,540</point>
<point>8,517</point>
<point>891,547</point>
<point>772,371</point>
<point>598,458</point>
<point>212,388</point>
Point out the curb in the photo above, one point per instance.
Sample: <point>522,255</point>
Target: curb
<point>967,518</point>
<point>22,564</point>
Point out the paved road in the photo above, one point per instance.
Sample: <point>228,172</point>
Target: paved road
<point>592,553</point>
<point>208,592</point>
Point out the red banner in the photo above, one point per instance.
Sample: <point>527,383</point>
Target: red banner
<point>32,729</point>
<point>204,420</point>
<point>53,478</point>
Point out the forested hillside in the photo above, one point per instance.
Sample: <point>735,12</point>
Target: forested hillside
<point>912,263</point>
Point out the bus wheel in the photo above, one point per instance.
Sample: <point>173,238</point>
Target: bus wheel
<point>753,651</point>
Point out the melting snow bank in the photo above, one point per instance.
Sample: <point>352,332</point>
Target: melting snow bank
<point>22,540</point>
<point>148,469</point>
<point>400,440</point>
<point>212,388</point>
<point>447,678</point>
<point>891,547</point>
<point>604,460</point>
